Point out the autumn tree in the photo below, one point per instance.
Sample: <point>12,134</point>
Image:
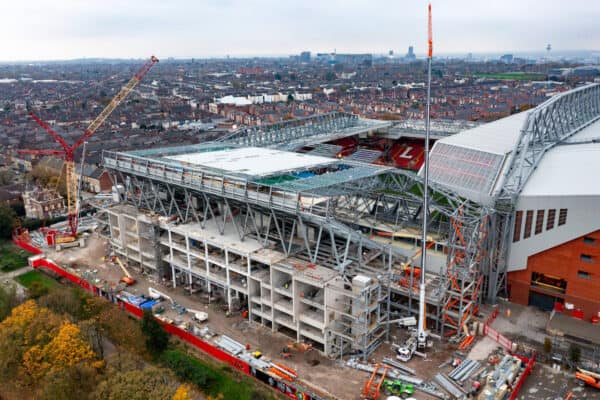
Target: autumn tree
<point>121,329</point>
<point>183,393</point>
<point>149,383</point>
<point>76,382</point>
<point>67,349</point>
<point>28,325</point>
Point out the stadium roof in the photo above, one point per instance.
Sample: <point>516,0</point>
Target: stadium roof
<point>498,137</point>
<point>471,162</point>
<point>569,169</point>
<point>252,161</point>
<point>526,153</point>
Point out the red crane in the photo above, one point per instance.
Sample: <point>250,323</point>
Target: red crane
<point>68,151</point>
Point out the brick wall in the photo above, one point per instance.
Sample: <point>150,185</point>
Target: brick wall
<point>577,262</point>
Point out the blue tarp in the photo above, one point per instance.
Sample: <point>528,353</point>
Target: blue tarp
<point>149,304</point>
<point>136,301</point>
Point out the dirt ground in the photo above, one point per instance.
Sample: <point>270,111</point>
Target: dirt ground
<point>314,369</point>
<point>332,376</point>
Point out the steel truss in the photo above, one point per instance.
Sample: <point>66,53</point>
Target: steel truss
<point>297,133</point>
<point>333,225</point>
<point>549,124</point>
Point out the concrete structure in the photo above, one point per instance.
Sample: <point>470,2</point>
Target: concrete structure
<point>239,203</point>
<point>289,236</point>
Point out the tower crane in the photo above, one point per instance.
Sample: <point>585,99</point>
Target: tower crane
<point>68,151</point>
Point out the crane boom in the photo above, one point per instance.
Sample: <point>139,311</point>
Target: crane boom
<point>125,271</point>
<point>50,131</point>
<point>69,151</point>
<point>422,327</point>
<point>114,103</point>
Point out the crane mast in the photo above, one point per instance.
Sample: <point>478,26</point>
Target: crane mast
<point>422,325</point>
<point>68,151</point>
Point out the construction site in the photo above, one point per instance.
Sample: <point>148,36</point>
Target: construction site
<point>306,264</point>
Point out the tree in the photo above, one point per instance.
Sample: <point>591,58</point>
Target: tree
<point>574,353</point>
<point>27,325</point>
<point>120,328</point>
<point>290,98</point>
<point>19,208</point>
<point>547,345</point>
<point>187,368</point>
<point>6,177</point>
<point>149,383</point>
<point>76,382</point>
<point>67,349</point>
<point>8,300</point>
<point>156,337</point>
<point>37,290</point>
<point>182,393</point>
<point>7,221</point>
<point>277,76</point>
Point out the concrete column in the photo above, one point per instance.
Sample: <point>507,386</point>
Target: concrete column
<point>189,260</point>
<point>171,256</point>
<point>227,279</point>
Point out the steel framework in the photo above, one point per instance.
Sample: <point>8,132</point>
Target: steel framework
<point>336,220</point>
<point>295,134</point>
<point>549,124</point>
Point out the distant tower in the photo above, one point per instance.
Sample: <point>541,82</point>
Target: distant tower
<point>411,54</point>
<point>548,48</point>
<point>391,53</point>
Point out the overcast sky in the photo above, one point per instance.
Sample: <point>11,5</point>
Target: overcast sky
<point>67,29</point>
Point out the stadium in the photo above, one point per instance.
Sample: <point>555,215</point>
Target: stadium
<point>311,226</point>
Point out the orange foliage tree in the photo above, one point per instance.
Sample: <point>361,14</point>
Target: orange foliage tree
<point>65,350</point>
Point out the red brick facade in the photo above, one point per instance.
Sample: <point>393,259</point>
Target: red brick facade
<point>105,182</point>
<point>570,273</point>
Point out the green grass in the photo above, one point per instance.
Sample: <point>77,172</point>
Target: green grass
<point>28,278</point>
<point>513,76</point>
<point>12,257</point>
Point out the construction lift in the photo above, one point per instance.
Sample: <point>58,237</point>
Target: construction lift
<point>419,338</point>
<point>422,333</point>
<point>68,153</point>
<point>589,377</point>
<point>126,278</point>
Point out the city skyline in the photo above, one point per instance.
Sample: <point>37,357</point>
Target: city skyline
<point>69,29</point>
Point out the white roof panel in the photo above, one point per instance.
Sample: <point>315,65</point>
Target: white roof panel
<point>498,137</point>
<point>588,133</point>
<point>567,170</point>
<point>253,161</point>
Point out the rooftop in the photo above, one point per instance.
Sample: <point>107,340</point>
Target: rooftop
<point>252,161</point>
<point>569,169</point>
